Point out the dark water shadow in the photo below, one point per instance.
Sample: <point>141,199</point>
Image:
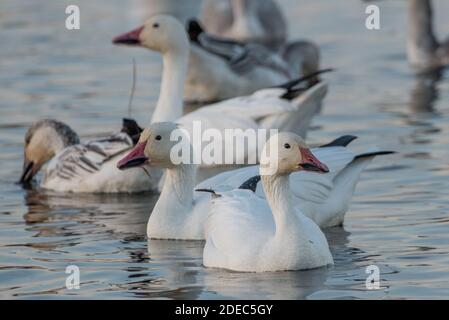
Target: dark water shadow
<point>119,213</point>
<point>425,93</point>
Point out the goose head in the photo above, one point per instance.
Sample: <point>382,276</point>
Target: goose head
<point>43,140</point>
<point>154,147</point>
<point>161,33</point>
<point>285,153</point>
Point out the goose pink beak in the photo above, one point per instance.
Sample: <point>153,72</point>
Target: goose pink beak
<point>129,38</point>
<point>310,162</point>
<point>135,158</point>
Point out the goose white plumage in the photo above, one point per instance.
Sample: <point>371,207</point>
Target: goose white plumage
<point>246,233</point>
<point>424,51</point>
<point>246,21</point>
<point>284,107</point>
<point>82,167</point>
<point>260,22</point>
<point>323,198</point>
<point>176,215</point>
<point>218,69</point>
<point>180,213</point>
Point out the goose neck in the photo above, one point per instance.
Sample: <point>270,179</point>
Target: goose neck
<point>177,193</point>
<point>244,20</point>
<point>170,104</point>
<point>239,8</point>
<point>279,197</point>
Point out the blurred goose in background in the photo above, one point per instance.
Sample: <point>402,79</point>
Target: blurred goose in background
<point>424,51</point>
<point>246,233</point>
<point>257,21</point>
<point>217,69</point>
<point>248,61</point>
<point>289,106</point>
<point>180,213</point>
<point>221,69</point>
<point>260,22</point>
<point>82,167</point>
<point>183,10</point>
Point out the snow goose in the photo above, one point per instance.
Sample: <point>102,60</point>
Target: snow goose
<point>260,22</point>
<point>287,107</point>
<point>246,21</point>
<point>216,69</point>
<point>246,233</point>
<point>180,213</point>
<point>254,65</point>
<point>423,49</point>
<point>176,214</point>
<point>82,167</point>
<point>323,198</point>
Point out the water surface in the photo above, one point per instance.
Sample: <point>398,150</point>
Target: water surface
<point>398,219</point>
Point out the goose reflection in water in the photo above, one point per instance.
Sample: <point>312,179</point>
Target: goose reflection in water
<point>181,262</point>
<point>425,93</point>
<point>120,213</point>
<point>422,113</point>
<point>161,268</point>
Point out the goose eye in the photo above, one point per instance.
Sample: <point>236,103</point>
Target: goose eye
<point>156,25</point>
<point>286,146</point>
<point>158,137</point>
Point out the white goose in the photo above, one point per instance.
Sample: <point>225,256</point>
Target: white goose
<point>259,21</point>
<point>246,233</point>
<point>286,107</point>
<point>217,69</point>
<point>423,49</point>
<point>324,198</point>
<point>82,167</point>
<point>176,215</point>
<point>180,213</point>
